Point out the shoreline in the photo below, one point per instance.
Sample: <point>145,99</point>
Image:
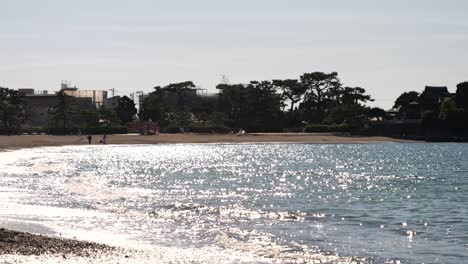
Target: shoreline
<point>30,141</point>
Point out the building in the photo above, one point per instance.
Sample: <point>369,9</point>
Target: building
<point>40,103</point>
<point>96,98</point>
<point>432,96</point>
<point>410,122</point>
<point>112,102</point>
<point>38,106</point>
<point>429,100</point>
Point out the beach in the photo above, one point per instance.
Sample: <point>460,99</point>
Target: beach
<point>29,141</point>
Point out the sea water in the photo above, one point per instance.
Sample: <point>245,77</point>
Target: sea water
<point>247,203</point>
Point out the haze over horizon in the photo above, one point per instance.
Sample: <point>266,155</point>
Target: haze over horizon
<point>386,47</point>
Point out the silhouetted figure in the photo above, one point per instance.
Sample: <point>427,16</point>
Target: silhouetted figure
<point>103,140</point>
<point>89,139</point>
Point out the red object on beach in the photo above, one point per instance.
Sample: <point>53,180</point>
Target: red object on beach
<point>144,128</point>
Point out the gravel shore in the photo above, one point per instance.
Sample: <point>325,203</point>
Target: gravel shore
<point>20,243</point>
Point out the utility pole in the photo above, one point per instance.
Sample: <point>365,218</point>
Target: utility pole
<point>113,91</point>
<point>224,79</point>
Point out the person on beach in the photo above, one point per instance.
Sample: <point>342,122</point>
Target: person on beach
<point>103,140</point>
<point>80,135</point>
<point>89,139</point>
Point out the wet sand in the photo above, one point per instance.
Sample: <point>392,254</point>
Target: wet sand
<point>28,141</point>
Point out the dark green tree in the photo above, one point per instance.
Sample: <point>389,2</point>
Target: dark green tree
<point>462,95</point>
<point>322,91</point>
<point>64,114</point>
<point>447,119</point>
<point>173,98</point>
<point>125,109</point>
<point>350,114</point>
<point>292,91</point>
<point>376,112</point>
<point>203,117</point>
<point>108,117</point>
<point>231,100</point>
<point>179,121</point>
<point>350,109</point>
<point>449,109</point>
<point>354,95</point>
<point>404,100</point>
<point>254,107</point>
<point>220,120</point>
<point>12,110</point>
<point>89,118</point>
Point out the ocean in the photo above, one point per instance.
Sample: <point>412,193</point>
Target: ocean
<point>247,203</point>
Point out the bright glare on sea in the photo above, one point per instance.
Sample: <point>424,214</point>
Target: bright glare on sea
<point>247,203</point>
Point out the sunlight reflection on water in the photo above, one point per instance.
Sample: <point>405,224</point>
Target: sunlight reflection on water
<point>249,203</point>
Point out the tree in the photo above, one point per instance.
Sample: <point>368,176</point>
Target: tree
<point>376,112</point>
<point>351,114</point>
<point>89,118</point>
<point>179,121</point>
<point>347,107</point>
<point>449,109</point>
<point>108,117</point>
<point>64,113</point>
<point>319,84</point>
<point>447,119</point>
<point>322,90</point>
<point>404,100</point>
<point>176,97</point>
<point>12,110</point>
<point>356,95</point>
<point>203,117</point>
<point>219,119</point>
<point>231,100</point>
<point>292,90</point>
<point>462,95</point>
<point>184,92</point>
<point>266,106</point>
<point>253,107</point>
<point>125,109</point>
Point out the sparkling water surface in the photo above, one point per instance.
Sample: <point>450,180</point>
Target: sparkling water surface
<point>250,203</point>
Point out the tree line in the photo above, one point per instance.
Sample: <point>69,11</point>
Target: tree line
<point>313,102</point>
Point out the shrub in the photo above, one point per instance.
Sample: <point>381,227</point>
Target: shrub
<point>209,129</point>
<point>197,129</point>
<point>328,128</point>
<point>90,130</point>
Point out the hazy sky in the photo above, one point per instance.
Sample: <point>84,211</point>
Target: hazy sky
<point>385,46</point>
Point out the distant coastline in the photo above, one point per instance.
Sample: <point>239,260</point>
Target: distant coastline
<point>29,141</point>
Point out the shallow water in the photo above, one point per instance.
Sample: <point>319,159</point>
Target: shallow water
<point>264,203</point>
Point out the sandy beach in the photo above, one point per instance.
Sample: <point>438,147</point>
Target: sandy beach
<point>29,141</point>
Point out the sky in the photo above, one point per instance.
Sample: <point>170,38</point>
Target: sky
<point>385,46</point>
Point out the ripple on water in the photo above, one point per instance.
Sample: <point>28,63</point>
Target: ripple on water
<point>247,203</point>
